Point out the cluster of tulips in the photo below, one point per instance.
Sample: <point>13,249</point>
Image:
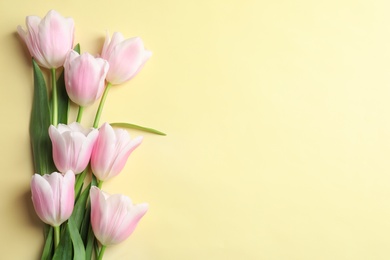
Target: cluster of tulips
<point>76,212</point>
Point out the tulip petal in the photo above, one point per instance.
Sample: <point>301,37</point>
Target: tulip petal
<point>86,150</point>
<point>67,191</point>
<point>124,154</point>
<point>42,197</point>
<point>117,211</point>
<point>146,57</point>
<point>60,151</point>
<point>130,222</point>
<point>103,152</point>
<point>109,44</point>
<point>32,40</point>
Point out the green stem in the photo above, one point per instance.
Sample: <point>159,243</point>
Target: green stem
<point>80,114</point>
<point>100,184</point>
<point>56,236</point>
<point>102,252</point>
<point>101,105</point>
<point>54,111</point>
<point>79,182</point>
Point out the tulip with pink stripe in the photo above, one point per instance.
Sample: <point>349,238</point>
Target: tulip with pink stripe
<point>125,56</point>
<point>111,151</point>
<point>53,196</point>
<point>72,146</point>
<point>114,217</point>
<point>84,77</point>
<point>49,39</point>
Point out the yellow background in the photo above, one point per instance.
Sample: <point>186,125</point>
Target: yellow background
<point>277,114</point>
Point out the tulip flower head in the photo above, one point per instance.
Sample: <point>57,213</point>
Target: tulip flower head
<point>114,217</point>
<point>84,77</point>
<point>125,56</point>
<point>53,196</point>
<point>111,151</point>
<point>72,146</point>
<point>49,39</point>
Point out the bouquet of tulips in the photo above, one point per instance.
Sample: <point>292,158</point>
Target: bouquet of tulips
<point>72,162</point>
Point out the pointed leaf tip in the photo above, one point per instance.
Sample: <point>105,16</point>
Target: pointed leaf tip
<point>138,127</point>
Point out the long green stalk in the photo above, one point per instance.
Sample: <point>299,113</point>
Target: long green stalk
<point>102,252</point>
<point>56,236</point>
<point>80,114</point>
<point>101,105</point>
<point>54,111</point>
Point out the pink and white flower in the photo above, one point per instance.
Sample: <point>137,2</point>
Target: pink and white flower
<point>111,151</point>
<point>53,196</point>
<point>72,146</point>
<point>114,217</point>
<point>49,39</point>
<point>125,56</point>
<point>84,77</point>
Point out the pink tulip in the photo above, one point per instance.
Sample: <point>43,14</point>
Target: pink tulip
<point>114,217</point>
<point>111,151</point>
<point>125,56</point>
<point>53,196</point>
<point>72,146</point>
<point>84,77</point>
<point>49,39</point>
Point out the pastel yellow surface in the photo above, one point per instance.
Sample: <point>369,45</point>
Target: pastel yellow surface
<point>278,123</point>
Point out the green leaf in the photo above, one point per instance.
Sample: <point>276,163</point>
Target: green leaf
<point>64,250</point>
<point>77,48</point>
<point>80,208</point>
<point>97,251</point>
<point>90,244</point>
<point>78,245</point>
<point>85,224</point>
<point>86,228</point>
<point>63,100</point>
<point>93,181</point>
<point>39,125</point>
<point>137,127</point>
<point>80,183</point>
<point>48,248</point>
